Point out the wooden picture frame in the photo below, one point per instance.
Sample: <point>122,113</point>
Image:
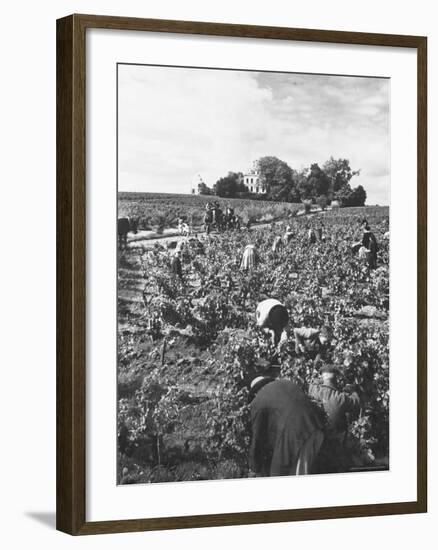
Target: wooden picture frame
<point>71,273</point>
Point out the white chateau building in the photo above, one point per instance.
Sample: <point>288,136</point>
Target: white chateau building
<point>198,185</point>
<point>252,179</point>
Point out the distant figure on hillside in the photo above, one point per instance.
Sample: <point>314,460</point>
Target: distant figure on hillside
<point>176,266</point>
<point>272,316</point>
<point>250,258</point>
<point>339,406</point>
<point>276,245</point>
<point>217,215</point>
<point>287,237</point>
<point>236,221</point>
<point>208,217</point>
<point>286,429</point>
<point>320,232</point>
<point>369,241</point>
<point>311,235</point>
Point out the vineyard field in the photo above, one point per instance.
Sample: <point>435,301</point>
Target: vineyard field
<point>162,210</point>
<point>186,349</point>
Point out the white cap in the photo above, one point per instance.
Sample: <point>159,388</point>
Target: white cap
<point>257,380</point>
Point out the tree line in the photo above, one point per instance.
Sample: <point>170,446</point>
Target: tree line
<point>315,184</point>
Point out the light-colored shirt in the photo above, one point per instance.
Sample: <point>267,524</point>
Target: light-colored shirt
<point>306,339</point>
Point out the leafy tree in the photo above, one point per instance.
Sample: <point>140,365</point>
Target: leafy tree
<point>284,184</point>
<point>317,181</point>
<point>322,201</point>
<point>230,185</point>
<point>277,177</point>
<point>312,182</point>
<point>293,194</point>
<point>358,196</point>
<point>307,206</point>
<point>339,174</point>
<point>343,195</point>
<point>204,189</point>
<point>302,184</point>
<point>351,197</point>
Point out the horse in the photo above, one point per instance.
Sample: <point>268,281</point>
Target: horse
<point>124,226</point>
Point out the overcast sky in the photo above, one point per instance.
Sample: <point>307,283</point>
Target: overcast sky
<point>175,123</point>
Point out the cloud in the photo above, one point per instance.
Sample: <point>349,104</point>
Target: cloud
<point>177,122</point>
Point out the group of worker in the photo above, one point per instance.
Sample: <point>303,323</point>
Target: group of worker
<point>366,248</point>
<point>215,217</point>
<point>290,436</point>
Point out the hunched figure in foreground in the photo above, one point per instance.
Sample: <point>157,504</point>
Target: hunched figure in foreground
<point>287,431</point>
<point>339,406</point>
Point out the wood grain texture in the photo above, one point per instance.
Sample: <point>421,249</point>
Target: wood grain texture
<point>247,31</point>
<point>71,267</point>
<point>422,275</point>
<point>64,271</point>
<point>71,271</point>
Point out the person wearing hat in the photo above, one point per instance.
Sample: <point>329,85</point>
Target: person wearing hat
<point>286,429</point>
<point>249,257</point>
<point>339,406</point>
<point>272,316</point>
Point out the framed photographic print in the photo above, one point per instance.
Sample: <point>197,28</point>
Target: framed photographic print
<point>241,274</point>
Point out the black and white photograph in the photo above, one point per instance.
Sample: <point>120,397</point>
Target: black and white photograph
<point>253,297</point>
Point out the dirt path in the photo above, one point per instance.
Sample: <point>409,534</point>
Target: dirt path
<point>146,238</point>
<point>148,241</point>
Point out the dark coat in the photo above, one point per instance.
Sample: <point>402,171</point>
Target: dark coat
<point>336,405</point>
<point>175,267</point>
<point>282,419</point>
<point>334,455</point>
<point>369,241</point>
